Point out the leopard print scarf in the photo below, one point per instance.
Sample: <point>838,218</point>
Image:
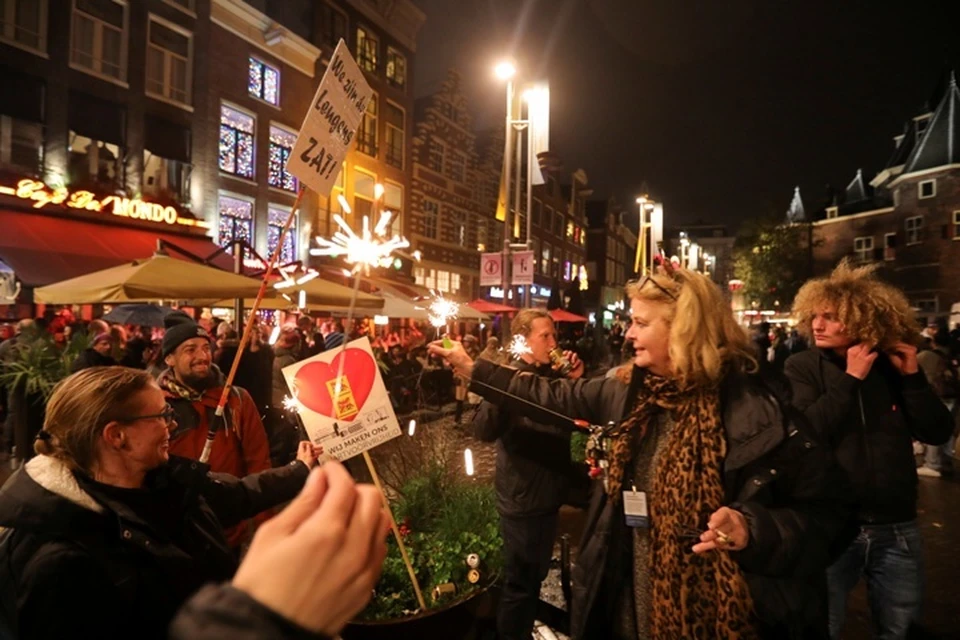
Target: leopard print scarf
<point>694,596</point>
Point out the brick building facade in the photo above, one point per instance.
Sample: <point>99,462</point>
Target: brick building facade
<point>611,248</point>
<point>908,219</point>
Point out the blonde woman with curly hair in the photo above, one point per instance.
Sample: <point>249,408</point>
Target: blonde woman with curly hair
<point>717,508</point>
<point>862,389</point>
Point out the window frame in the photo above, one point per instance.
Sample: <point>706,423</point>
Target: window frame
<point>865,252</point>
<point>920,185</point>
<point>956,224</point>
<point>292,232</point>
<point>403,136</point>
<point>889,248</point>
<point>434,216</point>
<point>167,66</point>
<point>97,61</point>
<point>396,221</point>
<point>264,65</point>
<point>234,174</point>
<point>283,170</point>
<point>364,145</point>
<point>253,216</point>
<point>436,155</point>
<point>7,126</point>
<point>392,54</point>
<point>449,166</point>
<point>330,39</point>
<point>9,28</point>
<point>363,60</point>
<point>190,10</point>
<point>917,232</point>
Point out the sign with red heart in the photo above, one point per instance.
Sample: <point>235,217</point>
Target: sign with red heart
<point>346,410</point>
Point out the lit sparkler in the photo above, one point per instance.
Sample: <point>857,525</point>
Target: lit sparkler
<point>412,428</point>
<point>442,311</point>
<point>290,403</point>
<point>518,347</point>
<point>372,248</point>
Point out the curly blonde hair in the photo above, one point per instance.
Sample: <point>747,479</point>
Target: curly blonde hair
<point>705,339</point>
<point>870,309</point>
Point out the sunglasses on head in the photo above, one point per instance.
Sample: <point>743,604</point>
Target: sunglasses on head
<point>648,278</point>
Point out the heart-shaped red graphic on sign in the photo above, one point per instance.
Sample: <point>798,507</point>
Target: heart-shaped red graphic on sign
<point>315,383</point>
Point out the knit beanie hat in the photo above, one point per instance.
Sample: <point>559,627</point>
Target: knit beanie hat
<point>179,328</point>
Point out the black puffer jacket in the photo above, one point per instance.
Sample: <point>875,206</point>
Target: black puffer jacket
<point>775,473</point>
<point>76,562</point>
<point>534,471</point>
<point>870,424</point>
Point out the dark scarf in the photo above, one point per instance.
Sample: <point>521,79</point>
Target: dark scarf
<point>697,597</point>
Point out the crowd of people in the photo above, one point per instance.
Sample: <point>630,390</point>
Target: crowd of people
<point>743,486</point>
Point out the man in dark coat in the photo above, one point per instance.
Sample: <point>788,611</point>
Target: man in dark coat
<point>534,473</point>
<point>96,355</point>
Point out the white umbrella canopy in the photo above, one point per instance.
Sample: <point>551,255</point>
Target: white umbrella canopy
<point>156,278</point>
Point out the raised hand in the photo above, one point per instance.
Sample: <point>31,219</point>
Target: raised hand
<point>860,359</point>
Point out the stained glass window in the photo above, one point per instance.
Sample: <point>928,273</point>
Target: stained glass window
<point>236,221</point>
<point>276,218</point>
<point>236,142</point>
<point>263,81</point>
<point>281,144</point>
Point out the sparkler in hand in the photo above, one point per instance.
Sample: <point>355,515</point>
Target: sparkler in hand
<point>518,347</point>
<point>442,311</point>
<point>372,248</point>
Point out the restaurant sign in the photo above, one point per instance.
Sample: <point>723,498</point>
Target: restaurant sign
<point>134,208</point>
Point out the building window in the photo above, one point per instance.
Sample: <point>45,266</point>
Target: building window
<point>364,193</point>
<point>281,144</point>
<point>537,213</point>
<point>236,221</point>
<point>459,227</point>
<point>263,82</point>
<point>435,155</point>
<point>570,234</point>
<point>922,123</point>
<point>367,46</point>
<point>956,225</point>
<point>482,236</point>
<point>396,68</point>
<point>100,37</point>
<point>367,133</point>
<point>431,219</point>
<point>558,224</point>
<point>454,283</point>
<point>928,189</point>
<point>165,178</point>
<point>393,202</point>
<point>236,141</point>
<point>863,248</point>
<point>187,5</point>
<point>333,204</point>
<point>443,281</point>
<point>914,228</point>
<point>395,135</point>
<point>455,166</point>
<point>169,61</point>
<point>94,162</point>
<point>832,212</point>
<point>925,305</point>
<point>545,260</point>
<point>24,23</point>
<point>21,144</point>
<point>333,25</point>
<point>889,246</point>
<point>276,218</point>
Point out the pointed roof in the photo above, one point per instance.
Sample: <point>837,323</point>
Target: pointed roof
<point>940,144</point>
<point>796,212</point>
<point>857,190</point>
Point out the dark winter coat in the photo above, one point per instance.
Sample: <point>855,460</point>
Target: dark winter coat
<point>77,561</point>
<point>282,357</point>
<point>254,372</point>
<point>870,424</point>
<point>533,460</point>
<point>775,473</point>
<point>89,357</point>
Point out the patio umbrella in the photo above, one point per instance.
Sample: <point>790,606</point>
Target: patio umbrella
<point>322,295</point>
<point>145,315</point>
<point>485,306</point>
<point>561,315</point>
<point>156,278</point>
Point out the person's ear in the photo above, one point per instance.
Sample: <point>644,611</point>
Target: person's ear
<point>113,436</point>
<point>169,360</point>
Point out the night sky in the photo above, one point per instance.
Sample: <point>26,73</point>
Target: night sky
<point>722,106</point>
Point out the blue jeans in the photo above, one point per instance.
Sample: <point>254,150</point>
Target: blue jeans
<point>889,557</point>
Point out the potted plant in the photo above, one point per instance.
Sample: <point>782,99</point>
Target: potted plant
<point>450,528</point>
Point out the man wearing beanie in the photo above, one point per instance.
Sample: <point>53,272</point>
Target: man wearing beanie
<point>193,385</point>
<point>96,355</point>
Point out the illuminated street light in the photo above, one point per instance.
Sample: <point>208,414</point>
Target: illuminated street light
<point>505,70</point>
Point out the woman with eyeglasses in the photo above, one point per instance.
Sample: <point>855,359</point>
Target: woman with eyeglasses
<point>106,535</point>
<point>717,508</point>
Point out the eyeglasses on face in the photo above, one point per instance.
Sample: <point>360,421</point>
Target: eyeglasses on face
<point>647,278</point>
<point>168,415</point>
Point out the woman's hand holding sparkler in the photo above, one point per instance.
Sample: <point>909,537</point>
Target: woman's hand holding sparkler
<point>455,356</point>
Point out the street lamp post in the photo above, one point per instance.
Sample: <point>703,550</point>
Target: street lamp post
<point>505,71</point>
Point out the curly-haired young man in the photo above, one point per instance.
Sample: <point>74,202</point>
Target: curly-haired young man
<point>862,388</point>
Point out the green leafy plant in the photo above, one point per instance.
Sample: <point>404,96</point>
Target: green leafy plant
<point>442,519</point>
<point>37,363</point>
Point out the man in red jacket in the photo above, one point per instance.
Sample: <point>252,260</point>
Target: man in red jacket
<point>193,385</point>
